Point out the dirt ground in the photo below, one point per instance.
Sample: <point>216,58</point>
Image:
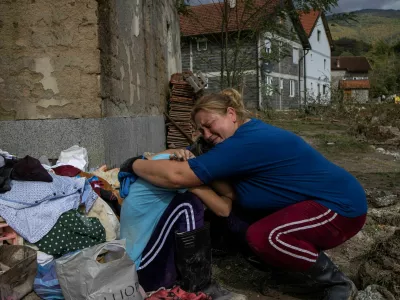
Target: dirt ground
<point>373,169</point>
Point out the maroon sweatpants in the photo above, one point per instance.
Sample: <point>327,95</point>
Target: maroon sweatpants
<point>291,238</point>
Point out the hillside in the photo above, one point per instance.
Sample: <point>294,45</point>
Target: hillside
<point>372,25</point>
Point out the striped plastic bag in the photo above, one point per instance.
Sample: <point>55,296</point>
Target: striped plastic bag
<point>46,284</point>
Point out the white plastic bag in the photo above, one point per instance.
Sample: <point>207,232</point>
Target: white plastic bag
<point>81,276</point>
<point>75,156</point>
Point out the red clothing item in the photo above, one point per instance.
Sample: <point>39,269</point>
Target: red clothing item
<point>292,237</point>
<point>66,170</point>
<point>177,294</point>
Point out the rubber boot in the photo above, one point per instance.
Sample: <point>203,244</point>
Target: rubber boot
<point>193,261</point>
<point>337,285</point>
<point>323,279</point>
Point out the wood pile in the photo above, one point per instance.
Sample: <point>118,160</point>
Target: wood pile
<point>180,105</point>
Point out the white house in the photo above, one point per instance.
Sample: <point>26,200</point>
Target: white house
<point>317,61</point>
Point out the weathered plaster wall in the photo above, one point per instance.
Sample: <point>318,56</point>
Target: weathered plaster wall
<point>49,59</point>
<point>92,73</point>
<point>140,49</point>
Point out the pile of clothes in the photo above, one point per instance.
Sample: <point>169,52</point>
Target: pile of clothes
<point>58,210</point>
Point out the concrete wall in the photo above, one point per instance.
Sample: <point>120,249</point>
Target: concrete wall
<point>92,73</point>
<point>140,49</point>
<point>318,64</point>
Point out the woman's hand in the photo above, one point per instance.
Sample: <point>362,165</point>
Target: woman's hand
<point>181,155</point>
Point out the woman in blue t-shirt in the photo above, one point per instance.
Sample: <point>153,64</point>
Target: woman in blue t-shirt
<point>317,204</point>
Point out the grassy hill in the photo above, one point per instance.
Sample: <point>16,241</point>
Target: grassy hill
<point>372,25</point>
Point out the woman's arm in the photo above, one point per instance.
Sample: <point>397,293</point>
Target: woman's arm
<point>220,205</point>
<point>175,154</point>
<point>166,173</point>
<point>223,188</point>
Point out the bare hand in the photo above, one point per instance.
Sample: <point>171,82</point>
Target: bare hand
<point>181,155</point>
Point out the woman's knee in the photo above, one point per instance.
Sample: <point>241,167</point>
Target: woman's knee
<point>257,237</point>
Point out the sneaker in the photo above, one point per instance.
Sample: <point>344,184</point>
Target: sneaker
<point>217,292</point>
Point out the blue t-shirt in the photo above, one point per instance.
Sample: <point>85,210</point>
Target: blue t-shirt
<point>141,211</point>
<point>271,168</point>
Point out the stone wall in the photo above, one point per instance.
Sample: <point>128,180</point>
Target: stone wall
<point>361,95</point>
<point>92,73</point>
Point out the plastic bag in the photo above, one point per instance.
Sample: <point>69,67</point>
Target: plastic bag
<point>46,284</point>
<point>88,275</point>
<point>75,156</point>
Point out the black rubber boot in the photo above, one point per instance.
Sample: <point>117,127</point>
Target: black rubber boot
<point>322,281</point>
<point>337,285</point>
<point>193,259</point>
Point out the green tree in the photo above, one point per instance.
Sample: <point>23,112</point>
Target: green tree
<point>385,74</point>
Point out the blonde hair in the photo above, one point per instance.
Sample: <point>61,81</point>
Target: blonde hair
<point>234,94</point>
<point>219,103</point>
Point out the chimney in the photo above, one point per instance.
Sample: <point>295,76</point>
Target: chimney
<point>232,3</point>
<point>338,63</point>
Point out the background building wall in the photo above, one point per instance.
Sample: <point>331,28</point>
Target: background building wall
<point>318,72</point>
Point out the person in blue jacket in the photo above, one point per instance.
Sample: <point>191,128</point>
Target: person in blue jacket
<point>317,205</point>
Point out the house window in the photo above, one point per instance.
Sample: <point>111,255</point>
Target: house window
<point>324,63</point>
<point>269,87</point>
<point>268,46</point>
<point>319,89</point>
<point>281,83</point>
<point>202,44</point>
<point>319,35</point>
<point>292,87</point>
<point>206,83</point>
<point>324,89</point>
<point>295,56</point>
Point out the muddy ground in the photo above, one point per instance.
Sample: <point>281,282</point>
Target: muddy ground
<point>376,171</point>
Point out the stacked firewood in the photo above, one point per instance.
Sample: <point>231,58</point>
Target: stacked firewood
<point>180,104</point>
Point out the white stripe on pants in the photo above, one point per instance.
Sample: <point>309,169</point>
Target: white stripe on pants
<point>274,239</point>
<point>184,208</point>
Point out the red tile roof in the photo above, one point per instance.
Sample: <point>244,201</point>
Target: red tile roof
<point>308,20</point>
<point>207,18</point>
<point>354,84</point>
<point>350,63</point>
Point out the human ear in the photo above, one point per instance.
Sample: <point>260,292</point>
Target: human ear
<point>231,112</point>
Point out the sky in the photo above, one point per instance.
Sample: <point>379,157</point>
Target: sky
<point>352,5</point>
<point>343,5</point>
